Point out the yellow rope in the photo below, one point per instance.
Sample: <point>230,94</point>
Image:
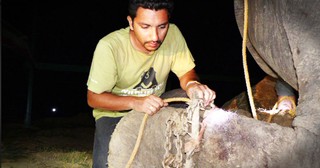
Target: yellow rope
<point>136,147</point>
<point>176,99</point>
<point>245,66</point>
<point>142,126</point>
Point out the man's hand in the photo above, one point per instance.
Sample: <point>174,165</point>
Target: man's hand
<point>149,104</point>
<point>200,91</point>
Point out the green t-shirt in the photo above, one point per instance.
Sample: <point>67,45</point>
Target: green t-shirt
<point>119,68</point>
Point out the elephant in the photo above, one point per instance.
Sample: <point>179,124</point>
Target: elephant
<point>284,39</point>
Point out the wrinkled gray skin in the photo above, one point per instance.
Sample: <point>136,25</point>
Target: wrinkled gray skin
<point>284,39</point>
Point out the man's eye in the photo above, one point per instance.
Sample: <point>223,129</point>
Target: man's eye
<point>163,27</point>
<point>144,27</point>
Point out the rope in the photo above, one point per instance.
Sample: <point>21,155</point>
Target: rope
<point>245,66</point>
<point>142,126</point>
<point>136,147</point>
<point>292,112</point>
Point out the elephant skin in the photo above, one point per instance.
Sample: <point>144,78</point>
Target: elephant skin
<point>284,39</point>
<point>229,140</point>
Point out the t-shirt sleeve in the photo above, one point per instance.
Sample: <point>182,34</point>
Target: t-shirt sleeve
<point>102,75</point>
<point>183,60</point>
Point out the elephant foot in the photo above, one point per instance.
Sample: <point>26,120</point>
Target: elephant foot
<point>285,107</point>
<point>286,104</point>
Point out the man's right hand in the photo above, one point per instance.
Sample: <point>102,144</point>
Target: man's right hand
<point>149,104</point>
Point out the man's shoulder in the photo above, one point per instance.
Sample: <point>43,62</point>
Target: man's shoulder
<point>173,26</point>
<point>174,29</point>
<point>174,33</point>
<point>117,35</point>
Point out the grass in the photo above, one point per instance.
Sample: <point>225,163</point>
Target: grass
<point>49,143</point>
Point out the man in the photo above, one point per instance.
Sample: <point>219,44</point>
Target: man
<point>130,68</point>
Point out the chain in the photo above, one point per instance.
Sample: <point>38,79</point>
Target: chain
<point>168,157</point>
<point>176,125</point>
<point>179,158</point>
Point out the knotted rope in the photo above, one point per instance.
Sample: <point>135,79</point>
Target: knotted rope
<point>274,111</point>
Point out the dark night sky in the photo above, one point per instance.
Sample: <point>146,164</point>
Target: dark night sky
<point>55,33</point>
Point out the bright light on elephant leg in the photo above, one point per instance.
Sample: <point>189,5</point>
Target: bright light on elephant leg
<point>216,116</point>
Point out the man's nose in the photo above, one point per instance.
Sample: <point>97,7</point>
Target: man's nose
<point>154,34</point>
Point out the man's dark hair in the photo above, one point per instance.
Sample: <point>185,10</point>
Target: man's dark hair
<point>149,4</point>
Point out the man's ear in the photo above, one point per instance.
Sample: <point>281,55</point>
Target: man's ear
<point>130,22</point>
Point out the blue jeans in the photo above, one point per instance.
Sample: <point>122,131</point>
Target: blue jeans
<point>104,129</point>
<point>106,125</point>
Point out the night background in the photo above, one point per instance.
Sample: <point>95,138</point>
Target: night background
<point>50,44</point>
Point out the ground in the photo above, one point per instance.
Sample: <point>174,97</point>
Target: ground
<point>49,142</point>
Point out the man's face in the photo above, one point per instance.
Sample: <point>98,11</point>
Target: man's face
<point>148,29</point>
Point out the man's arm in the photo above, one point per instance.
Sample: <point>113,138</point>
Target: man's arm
<point>108,101</point>
<point>190,83</point>
<point>188,77</point>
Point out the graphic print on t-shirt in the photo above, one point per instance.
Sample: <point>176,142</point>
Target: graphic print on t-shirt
<point>148,80</point>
